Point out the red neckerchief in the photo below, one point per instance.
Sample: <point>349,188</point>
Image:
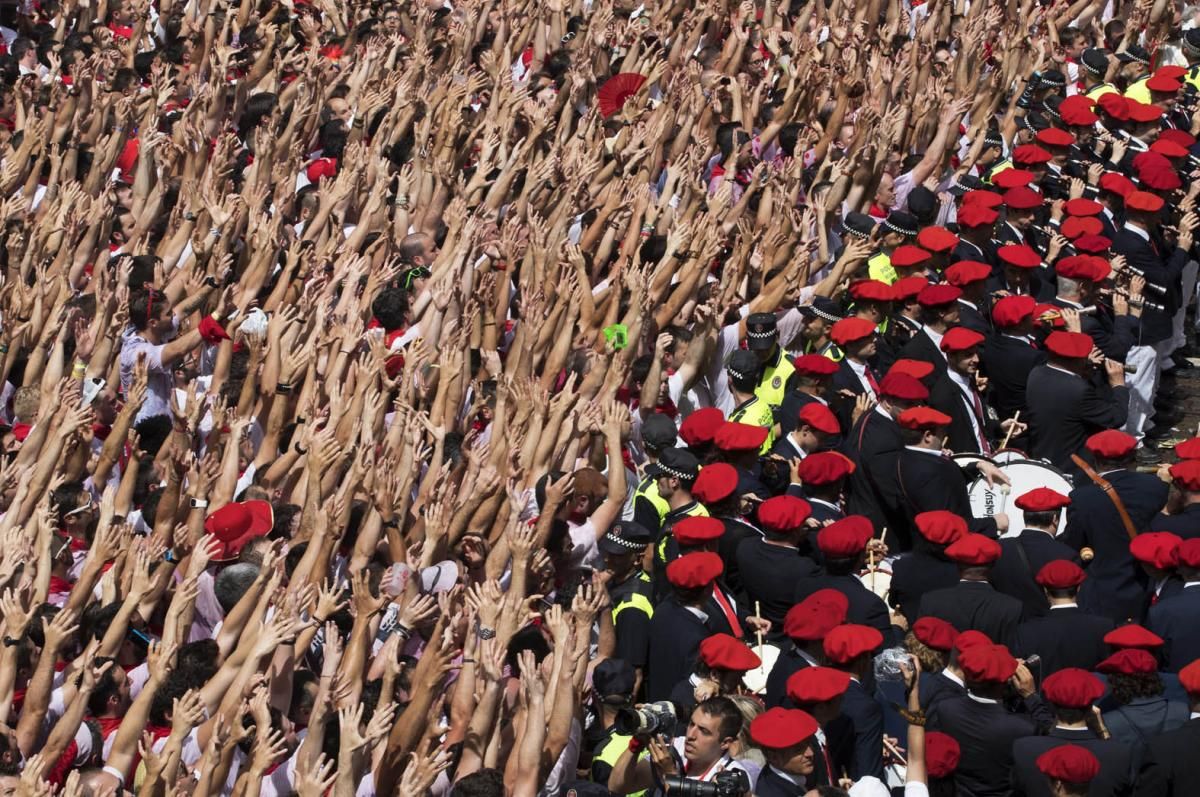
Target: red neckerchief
<point>78,544</point>
<point>877,211</point>
<point>108,725</point>
<point>100,431</point>
<point>60,586</point>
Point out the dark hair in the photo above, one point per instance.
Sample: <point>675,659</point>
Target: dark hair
<point>142,303</point>
<point>1041,519</point>
<point>153,433</point>
<point>390,308</point>
<point>95,620</point>
<point>1127,688</point>
<point>727,711</point>
<point>200,659</point>
<point>481,783</point>
<point>232,583</point>
<point>65,498</point>
<point>107,686</point>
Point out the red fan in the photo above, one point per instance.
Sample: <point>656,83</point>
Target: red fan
<point>616,90</point>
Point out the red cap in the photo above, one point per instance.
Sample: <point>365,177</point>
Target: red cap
<point>1030,155</point>
<point>1069,344</point>
<point>1129,662</point>
<point>967,272</point>
<point>815,616</point>
<point>1083,207</point>
<point>1189,553</point>
<point>1079,226</point>
<point>1012,310</point>
<point>1144,112</point>
<point>825,467</point>
<point>987,663</point>
<point>923,418</point>
<point>1168,148</point>
<point>1072,688</point>
<point>780,728</point>
<point>974,550</point>
<point>907,289</point>
<point>1176,136</point>
<point>819,417</point>
<point>1156,172</point>
<point>1187,474</point>
<point>902,387</point>
<point>969,639</point>
<point>1060,574</point>
<point>1053,137</point>
<point>941,527</point>
<point>734,436</point>
<point>1144,201</point>
<point>694,570</point>
<point>917,369</point>
<point>1113,104</point>
<point>1163,84</point>
<point>697,530</point>
<point>1156,548</point>
<point>871,291</point>
<point>1092,243</point>
<point>936,239</point>
<point>1188,449</point>
<point>1189,678</point>
<point>1077,111</point>
<point>988,199</point>
<point>725,652</point>
<point>701,426</point>
<point>1012,178</point>
<point>1083,267</point>
<point>976,214</point>
<point>941,754</point>
<point>847,642</point>
<point>850,330</point>
<point>934,632</point>
<point>1133,637</point>
<point>813,365</point>
<point>716,482</point>
<point>1111,444</point>
<point>938,295</point>
<point>236,524</point>
<point>1022,198</point>
<point>1116,183</point>
<point>845,538</point>
<point>1069,763</point>
<point>783,513</point>
<point>1042,499</point>
<point>1019,255</point>
<point>21,431</point>
<point>907,256</point>
<point>960,339</point>
<point>817,685</point>
<point>321,167</point>
<point>1172,71</point>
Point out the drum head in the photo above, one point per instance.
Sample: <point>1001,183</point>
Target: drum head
<point>1007,455</point>
<point>1025,475</point>
<point>756,679</point>
<point>965,459</point>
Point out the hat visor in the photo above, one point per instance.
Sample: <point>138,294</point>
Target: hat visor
<point>654,470</point>
<point>439,578</point>
<point>262,516</point>
<point>609,546</point>
<point>229,549</point>
<point>759,344</point>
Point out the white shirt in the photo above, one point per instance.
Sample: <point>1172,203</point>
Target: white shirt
<point>936,337</point>
<point>969,394</point>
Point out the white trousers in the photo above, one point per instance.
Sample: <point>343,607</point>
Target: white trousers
<point>1141,388</point>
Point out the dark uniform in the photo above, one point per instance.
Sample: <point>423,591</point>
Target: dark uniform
<point>1021,558</point>
<point>1170,766</point>
<point>1144,718</point>
<point>1065,637</point>
<point>867,716</point>
<point>928,481</point>
<point>1114,336</point>
<point>974,317</point>
<point>775,784</point>
<point>947,397</point>
<point>914,575</point>
<point>790,661</point>
<point>770,574</point>
<point>632,611</point>
<point>1185,524</point>
<point>1175,620</point>
<point>975,605</point>
<point>1008,361</point>
<point>1064,410</point>
<point>874,444</point>
<point>789,411</point>
<point>986,733</point>
<point>922,347</point>
<point>675,636</point>
<point>1167,271</point>
<point>1116,763</point>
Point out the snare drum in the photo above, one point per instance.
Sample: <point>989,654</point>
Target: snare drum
<point>1025,474</point>
<point>756,680</point>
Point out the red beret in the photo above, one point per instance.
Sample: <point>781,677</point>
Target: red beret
<point>847,642</point>
<point>845,538</point>
<point>780,728</point>
<point>1188,449</point>
<point>1022,198</point>
<point>1189,553</point>
<point>1176,136</point>
<point>1092,243</point>
<point>825,467</point>
<point>1129,662</point>
<point>1144,201</point>
<point>734,436</point>
<point>1012,178</point>
<point>1113,104</point>
<point>1083,207</point>
<point>966,272</point>
<point>1163,84</point>
<point>695,570</point>
<point>852,329</point>
<point>941,754</point>
<point>1070,344</point>
<point>934,632</point>
<point>987,663</point>
<point>1171,71</point>
<point>1030,155</point>
<point>1187,474</point>
<point>1053,137</point>
<point>716,482</point>
<point>988,199</point>
<point>903,387</point>
<point>1079,226</point>
<point>1156,548</point>
<point>923,418</point>
<point>1077,111</point>
<point>974,549</point>
<point>1160,177</point>
<point>1083,267</point>
<point>1168,148</point>
<point>697,530</point>
<point>816,615</point>
<point>783,513</point>
<point>1144,112</point>
<point>1042,499</point>
<point>1012,310</point>
<point>1069,763</point>
<point>1189,678</point>
<point>917,369</point>
<point>1133,636</point>
<point>960,339</point>
<point>817,685</point>
<point>936,239</point>
<point>969,639</point>
<point>938,295</point>
<point>976,214</point>
<point>725,652</point>
<point>814,365</point>
<point>701,426</point>
<point>1060,574</point>
<point>1072,688</point>
<point>941,527</point>
<point>871,291</point>
<point>1116,183</point>
<point>908,288</point>
<point>819,417</point>
<point>907,256</point>
<point>1019,255</point>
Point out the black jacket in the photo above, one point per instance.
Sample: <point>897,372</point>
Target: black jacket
<point>675,637</point>
<point>873,444</point>
<point>922,347</point>
<point>769,574</point>
<point>1064,637</point>
<point>1170,765</point>
<point>1116,763</point>
<point>1064,409</point>
<point>915,574</point>
<point>927,481</point>
<point>975,605</point>
<point>1161,267</point>
<point>1008,361</point>
<point>772,784</point>
<point>1186,523</point>
<point>867,717</point>
<point>985,733</point>
<point>1014,574</point>
<point>1177,620</point>
<point>947,397</point>
<point>1113,335</point>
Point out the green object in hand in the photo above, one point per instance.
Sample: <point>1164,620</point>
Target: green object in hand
<point>617,335</point>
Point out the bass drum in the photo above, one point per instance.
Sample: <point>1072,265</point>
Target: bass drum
<point>965,459</point>
<point>1006,455</point>
<point>756,680</point>
<point>1025,474</point>
<point>879,579</point>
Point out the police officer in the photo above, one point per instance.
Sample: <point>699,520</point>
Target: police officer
<point>630,593</point>
<point>774,367</point>
<point>744,382</point>
<point>898,228</point>
<point>658,435</point>
<point>819,318</point>
<point>613,688</point>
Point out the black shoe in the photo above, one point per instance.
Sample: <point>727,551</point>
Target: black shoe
<point>1160,432</point>
<point>1148,456</point>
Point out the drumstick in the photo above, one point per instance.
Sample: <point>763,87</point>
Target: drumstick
<point>758,631</point>
<point>892,749</point>
<point>1008,435</point>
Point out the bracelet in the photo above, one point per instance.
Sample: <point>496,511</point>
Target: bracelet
<point>486,633</point>
<point>468,661</point>
<point>10,642</point>
<point>299,450</point>
<point>215,233</point>
<point>318,620</point>
<point>3,348</point>
<point>403,630</point>
<point>283,388</point>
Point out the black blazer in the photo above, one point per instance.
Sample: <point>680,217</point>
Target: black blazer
<point>1186,523</point>
<point>1008,362</point>
<point>947,397</point>
<point>1177,620</point>
<point>1163,268</point>
<point>772,784</point>
<point>1063,410</point>
<point>1112,335</point>
<point>978,319</point>
<point>1170,766</point>
<point>769,574</point>
<point>789,410</point>
<point>867,717</point>
<point>922,347</point>
<point>873,444</point>
<point>1064,637</point>
<point>975,605</point>
<point>1116,584</point>
<point>1116,763</point>
<point>985,733</point>
<point>983,254</point>
<point>929,481</point>
<point>866,608</point>
<point>675,637</point>
<point>915,574</point>
<point>1014,574</point>
<point>936,686</point>
<point>788,663</point>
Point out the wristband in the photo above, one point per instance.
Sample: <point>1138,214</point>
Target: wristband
<point>403,630</point>
<point>674,201</point>
<point>199,503</point>
<point>10,642</point>
<point>486,633</point>
<point>284,389</point>
<point>635,745</point>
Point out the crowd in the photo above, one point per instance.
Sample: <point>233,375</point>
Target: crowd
<point>583,397</point>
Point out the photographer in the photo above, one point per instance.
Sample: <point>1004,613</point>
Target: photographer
<point>701,754</point>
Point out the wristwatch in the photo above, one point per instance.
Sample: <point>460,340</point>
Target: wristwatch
<point>486,633</point>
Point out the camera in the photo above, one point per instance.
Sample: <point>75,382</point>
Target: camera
<point>647,720</point>
<point>729,783</point>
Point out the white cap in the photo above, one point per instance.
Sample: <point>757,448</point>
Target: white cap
<point>92,387</point>
<point>440,577</point>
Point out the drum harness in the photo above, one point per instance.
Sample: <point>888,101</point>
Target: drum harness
<point>1110,491</point>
